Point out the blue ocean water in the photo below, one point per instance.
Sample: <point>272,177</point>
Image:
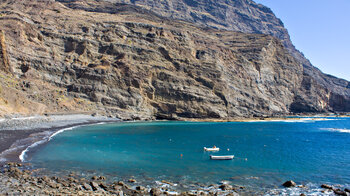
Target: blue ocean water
<point>267,153</point>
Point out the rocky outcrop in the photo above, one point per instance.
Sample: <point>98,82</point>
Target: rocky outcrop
<point>15,180</point>
<point>127,61</point>
<point>289,183</point>
<point>4,61</point>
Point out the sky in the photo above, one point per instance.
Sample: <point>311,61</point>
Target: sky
<point>320,29</point>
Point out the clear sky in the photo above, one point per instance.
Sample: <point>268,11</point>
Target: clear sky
<point>320,29</point>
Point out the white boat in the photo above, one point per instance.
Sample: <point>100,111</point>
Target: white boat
<point>226,157</point>
<point>211,149</point>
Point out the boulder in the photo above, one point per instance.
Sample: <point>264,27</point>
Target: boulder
<point>65,184</point>
<point>117,187</point>
<point>132,180</point>
<point>347,190</point>
<point>94,178</point>
<point>289,183</point>
<point>94,186</point>
<point>101,178</point>
<point>14,164</point>
<point>155,192</point>
<point>121,183</point>
<point>141,189</point>
<point>103,186</point>
<point>54,185</point>
<point>71,179</point>
<point>87,187</point>
<point>340,192</point>
<point>226,187</point>
<point>326,186</point>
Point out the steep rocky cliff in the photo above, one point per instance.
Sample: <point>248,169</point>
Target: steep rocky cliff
<point>319,92</point>
<point>128,61</point>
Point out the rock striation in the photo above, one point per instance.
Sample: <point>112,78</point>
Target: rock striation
<point>134,63</point>
<point>4,63</point>
<point>319,92</point>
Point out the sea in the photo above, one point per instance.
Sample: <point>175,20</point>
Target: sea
<point>309,151</point>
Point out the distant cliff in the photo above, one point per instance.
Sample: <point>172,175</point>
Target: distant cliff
<point>157,60</point>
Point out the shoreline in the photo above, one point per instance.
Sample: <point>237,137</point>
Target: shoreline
<point>18,134</point>
<point>16,179</point>
<point>54,184</point>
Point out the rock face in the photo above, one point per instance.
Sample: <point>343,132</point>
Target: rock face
<point>128,61</point>
<point>4,61</point>
<point>319,92</point>
<point>234,15</point>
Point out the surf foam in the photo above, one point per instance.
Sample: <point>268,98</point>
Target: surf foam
<point>43,140</point>
<point>23,153</point>
<point>337,130</point>
<point>48,138</point>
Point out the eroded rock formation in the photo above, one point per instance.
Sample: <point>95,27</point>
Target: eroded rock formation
<point>126,60</point>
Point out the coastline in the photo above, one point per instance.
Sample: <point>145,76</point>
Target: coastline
<point>17,134</point>
<point>266,118</point>
<point>46,127</point>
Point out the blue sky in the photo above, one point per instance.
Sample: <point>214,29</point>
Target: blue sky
<point>320,29</point>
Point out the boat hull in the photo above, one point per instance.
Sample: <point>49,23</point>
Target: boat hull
<point>211,149</point>
<point>228,157</point>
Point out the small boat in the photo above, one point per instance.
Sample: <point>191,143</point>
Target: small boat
<point>211,149</point>
<point>226,157</point>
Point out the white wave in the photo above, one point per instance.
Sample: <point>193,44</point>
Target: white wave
<point>337,130</point>
<point>23,153</point>
<point>2,119</point>
<point>162,184</point>
<point>45,139</point>
<point>18,145</point>
<point>61,131</point>
<point>70,128</point>
<point>101,123</point>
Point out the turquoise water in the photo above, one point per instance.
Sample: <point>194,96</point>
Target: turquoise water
<point>267,153</point>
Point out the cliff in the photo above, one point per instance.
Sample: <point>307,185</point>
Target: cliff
<point>319,92</point>
<point>128,61</point>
